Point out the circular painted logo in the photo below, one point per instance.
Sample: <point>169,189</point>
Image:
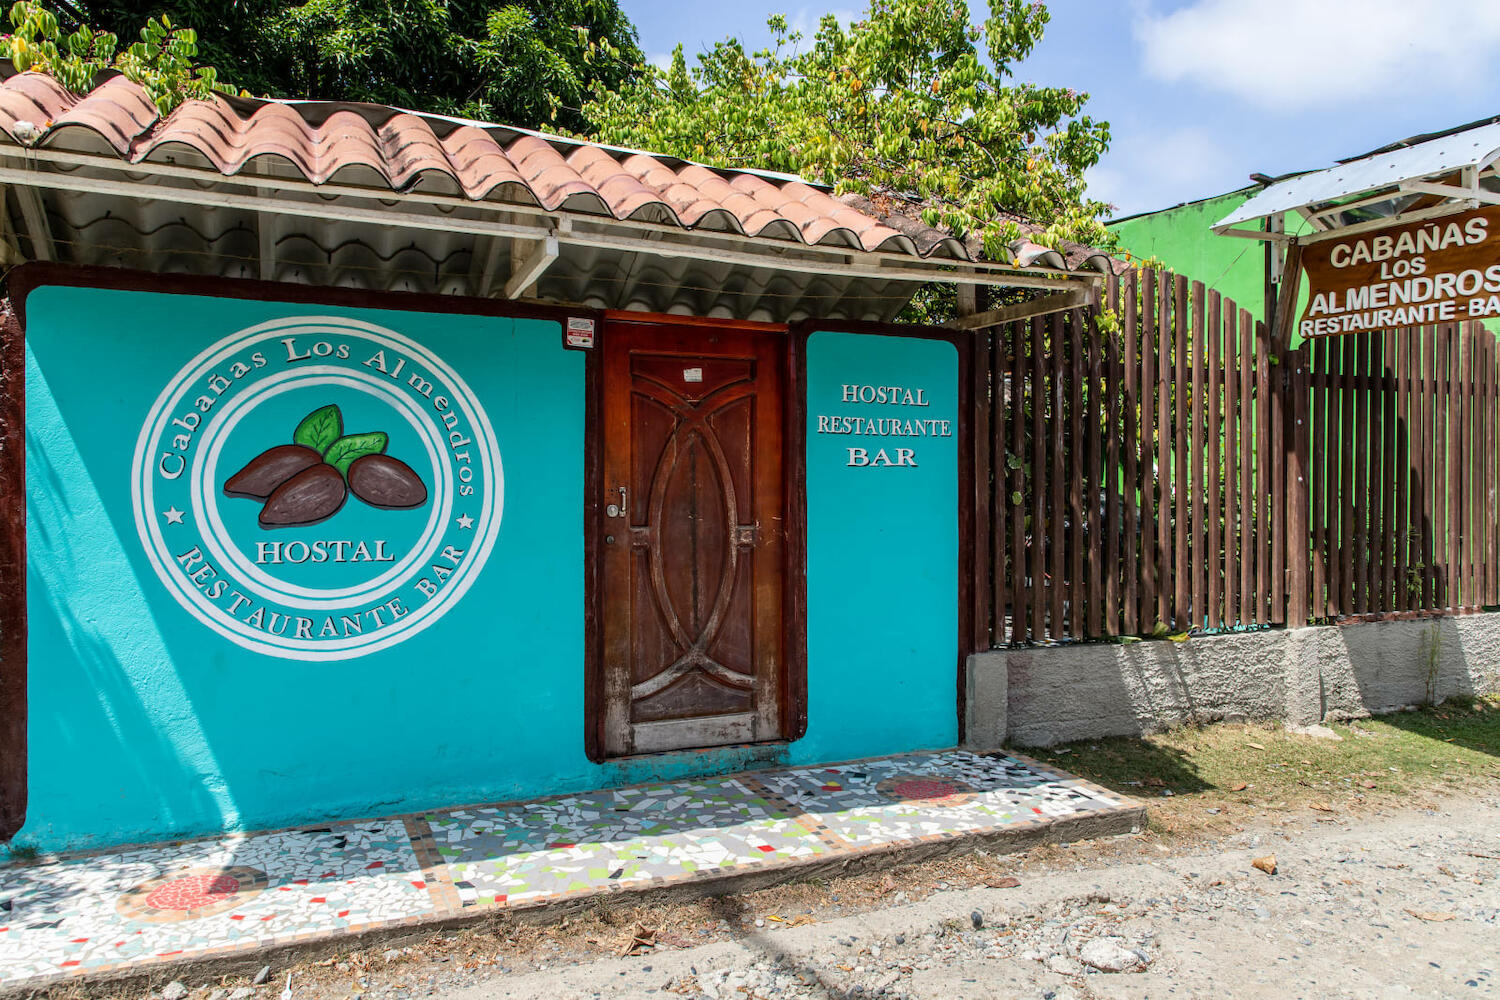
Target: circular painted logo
<point>317,488</point>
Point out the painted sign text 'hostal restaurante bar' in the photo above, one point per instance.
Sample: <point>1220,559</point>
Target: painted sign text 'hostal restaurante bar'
<point>376,461</point>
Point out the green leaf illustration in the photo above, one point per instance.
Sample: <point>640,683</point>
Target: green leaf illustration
<point>320,428</point>
<point>342,453</point>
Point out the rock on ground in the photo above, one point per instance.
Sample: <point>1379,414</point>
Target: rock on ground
<point>1108,955</point>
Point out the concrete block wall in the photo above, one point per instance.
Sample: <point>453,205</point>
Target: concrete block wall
<point>1046,695</point>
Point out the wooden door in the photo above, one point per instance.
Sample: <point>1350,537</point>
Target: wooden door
<point>692,537</point>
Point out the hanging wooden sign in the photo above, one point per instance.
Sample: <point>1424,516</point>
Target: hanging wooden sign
<point>1440,271</point>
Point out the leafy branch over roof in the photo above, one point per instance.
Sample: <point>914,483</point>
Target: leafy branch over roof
<point>162,62</point>
<point>914,98</point>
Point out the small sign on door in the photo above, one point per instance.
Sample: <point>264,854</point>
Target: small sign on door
<point>692,374</point>
<point>580,333</point>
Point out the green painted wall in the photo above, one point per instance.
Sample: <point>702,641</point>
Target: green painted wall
<point>1182,239</point>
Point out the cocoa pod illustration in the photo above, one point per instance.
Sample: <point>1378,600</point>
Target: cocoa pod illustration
<point>386,482</point>
<point>268,470</point>
<point>312,495</point>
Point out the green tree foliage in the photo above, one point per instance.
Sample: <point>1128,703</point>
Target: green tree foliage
<point>162,61</point>
<point>532,63</point>
<point>913,99</point>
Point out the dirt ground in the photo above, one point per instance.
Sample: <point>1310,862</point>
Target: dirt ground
<point>1386,847</point>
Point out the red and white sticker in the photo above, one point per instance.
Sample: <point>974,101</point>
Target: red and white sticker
<point>580,332</point>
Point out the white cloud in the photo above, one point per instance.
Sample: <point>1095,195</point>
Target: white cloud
<point>1149,171</point>
<point>1319,53</point>
<point>807,19</point>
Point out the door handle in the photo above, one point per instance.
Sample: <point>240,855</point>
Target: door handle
<point>618,509</point>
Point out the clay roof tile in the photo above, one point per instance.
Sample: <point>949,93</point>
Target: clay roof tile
<point>406,149</point>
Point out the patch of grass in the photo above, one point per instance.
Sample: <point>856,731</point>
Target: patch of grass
<point>1216,776</point>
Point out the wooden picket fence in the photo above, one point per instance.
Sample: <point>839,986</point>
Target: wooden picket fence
<point>1157,466</point>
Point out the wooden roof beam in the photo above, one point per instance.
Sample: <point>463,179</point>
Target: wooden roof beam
<point>1042,306</point>
<point>34,216</point>
<point>527,268</point>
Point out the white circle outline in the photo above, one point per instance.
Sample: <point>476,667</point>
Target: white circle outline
<point>206,460</point>
<point>486,528</point>
<point>489,516</point>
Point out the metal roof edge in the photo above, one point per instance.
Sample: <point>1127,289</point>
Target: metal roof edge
<point>1180,204</point>
<point>1448,152</point>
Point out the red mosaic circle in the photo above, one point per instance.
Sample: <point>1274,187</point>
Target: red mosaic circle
<point>927,788</point>
<point>193,892</point>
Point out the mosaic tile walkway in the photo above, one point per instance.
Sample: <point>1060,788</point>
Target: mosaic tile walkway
<point>138,907</point>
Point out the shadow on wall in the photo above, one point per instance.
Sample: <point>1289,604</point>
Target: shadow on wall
<point>1093,690</point>
<point>105,743</point>
<point>1039,697</point>
<point>1380,667</point>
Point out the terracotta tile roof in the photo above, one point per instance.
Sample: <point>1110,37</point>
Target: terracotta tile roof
<point>366,144</point>
<point>904,214</point>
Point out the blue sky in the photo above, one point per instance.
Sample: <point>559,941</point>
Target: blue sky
<point>1201,93</point>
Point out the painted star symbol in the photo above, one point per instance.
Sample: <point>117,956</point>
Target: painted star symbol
<point>173,515</point>
<point>466,522</point>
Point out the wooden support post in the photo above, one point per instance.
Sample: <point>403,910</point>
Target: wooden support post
<point>980,533</point>
<point>1294,408</point>
<point>13,711</point>
<point>265,236</point>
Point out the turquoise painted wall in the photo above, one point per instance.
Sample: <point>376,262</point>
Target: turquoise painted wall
<point>882,553</point>
<point>150,719</point>
<point>144,722</point>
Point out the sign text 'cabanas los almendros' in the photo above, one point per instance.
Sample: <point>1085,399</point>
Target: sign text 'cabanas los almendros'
<point>1404,236</point>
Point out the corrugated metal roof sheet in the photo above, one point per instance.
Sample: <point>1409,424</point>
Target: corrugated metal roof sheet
<point>1446,154</point>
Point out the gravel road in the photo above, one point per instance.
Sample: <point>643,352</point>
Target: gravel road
<point>1397,904</point>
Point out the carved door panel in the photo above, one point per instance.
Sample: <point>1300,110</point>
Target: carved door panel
<point>692,537</point>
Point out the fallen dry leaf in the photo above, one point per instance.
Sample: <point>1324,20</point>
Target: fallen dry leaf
<point>1266,864</point>
<point>1432,915</point>
<point>1155,782</point>
<point>641,938</point>
<point>772,916</point>
<point>1003,883</point>
<point>1322,807</point>
<point>1254,746</point>
<point>1238,786</point>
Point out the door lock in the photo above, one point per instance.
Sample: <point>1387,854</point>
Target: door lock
<point>617,509</point>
